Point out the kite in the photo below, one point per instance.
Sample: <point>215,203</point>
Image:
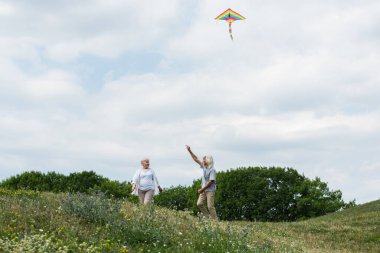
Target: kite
<point>230,16</point>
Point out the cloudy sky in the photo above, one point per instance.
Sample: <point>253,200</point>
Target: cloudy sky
<point>98,85</point>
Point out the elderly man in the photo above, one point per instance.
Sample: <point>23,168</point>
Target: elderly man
<point>208,187</point>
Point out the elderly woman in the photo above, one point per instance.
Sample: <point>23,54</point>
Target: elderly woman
<point>208,187</point>
<point>145,182</point>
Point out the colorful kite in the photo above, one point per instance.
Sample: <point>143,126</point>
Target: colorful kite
<point>230,16</point>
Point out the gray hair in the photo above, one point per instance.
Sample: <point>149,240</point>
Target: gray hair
<point>145,159</point>
<point>210,161</point>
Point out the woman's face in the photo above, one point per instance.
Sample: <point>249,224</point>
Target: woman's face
<point>145,164</point>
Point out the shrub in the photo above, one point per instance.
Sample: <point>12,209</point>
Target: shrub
<point>177,198</point>
<point>115,189</point>
<point>85,182</point>
<point>261,194</point>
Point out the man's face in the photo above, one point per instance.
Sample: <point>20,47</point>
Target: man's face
<point>145,164</point>
<point>205,161</point>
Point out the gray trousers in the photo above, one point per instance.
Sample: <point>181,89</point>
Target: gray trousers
<point>146,196</point>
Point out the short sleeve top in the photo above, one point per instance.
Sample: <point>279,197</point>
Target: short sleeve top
<point>208,174</point>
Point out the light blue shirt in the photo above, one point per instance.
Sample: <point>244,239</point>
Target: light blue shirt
<point>209,174</point>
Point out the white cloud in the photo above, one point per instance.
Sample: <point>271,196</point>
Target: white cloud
<point>67,30</point>
<point>6,9</point>
<point>53,84</point>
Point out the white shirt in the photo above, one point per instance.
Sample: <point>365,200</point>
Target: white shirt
<point>145,179</point>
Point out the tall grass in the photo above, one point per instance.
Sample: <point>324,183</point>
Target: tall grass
<point>47,222</point>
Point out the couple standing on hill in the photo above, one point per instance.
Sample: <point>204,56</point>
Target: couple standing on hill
<point>145,182</point>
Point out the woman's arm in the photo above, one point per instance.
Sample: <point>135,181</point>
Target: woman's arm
<point>195,158</point>
<point>155,179</point>
<point>135,179</point>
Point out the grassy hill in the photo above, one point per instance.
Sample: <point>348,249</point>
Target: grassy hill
<point>47,222</point>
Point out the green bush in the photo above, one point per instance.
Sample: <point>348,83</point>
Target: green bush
<point>261,194</point>
<point>32,180</point>
<point>177,198</point>
<point>85,182</point>
<point>115,189</point>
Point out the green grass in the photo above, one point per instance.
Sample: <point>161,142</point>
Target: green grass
<point>353,230</point>
<point>47,222</point>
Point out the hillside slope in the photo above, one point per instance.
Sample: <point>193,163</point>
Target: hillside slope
<point>353,230</point>
<point>47,222</point>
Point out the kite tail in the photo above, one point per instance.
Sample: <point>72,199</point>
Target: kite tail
<point>230,30</point>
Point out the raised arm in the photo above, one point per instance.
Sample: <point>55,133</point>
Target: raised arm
<point>195,158</point>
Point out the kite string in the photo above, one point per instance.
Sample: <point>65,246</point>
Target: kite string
<point>230,30</point>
